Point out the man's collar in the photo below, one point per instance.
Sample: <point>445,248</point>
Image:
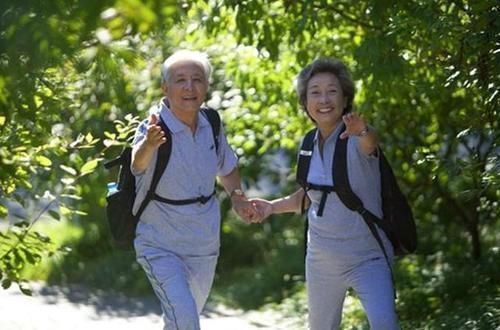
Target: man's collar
<point>172,122</point>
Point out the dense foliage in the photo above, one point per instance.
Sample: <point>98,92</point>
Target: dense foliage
<point>75,74</point>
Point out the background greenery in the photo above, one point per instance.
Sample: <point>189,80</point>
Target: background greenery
<point>75,75</point>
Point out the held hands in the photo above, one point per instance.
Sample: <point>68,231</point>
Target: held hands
<point>154,134</point>
<point>263,207</point>
<point>252,211</point>
<point>245,209</point>
<point>355,125</point>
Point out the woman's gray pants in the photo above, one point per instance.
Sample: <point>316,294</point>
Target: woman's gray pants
<point>328,277</point>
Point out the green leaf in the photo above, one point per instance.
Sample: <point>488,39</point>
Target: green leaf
<point>64,249</point>
<point>67,181</point>
<point>54,214</point>
<point>108,143</point>
<point>32,258</point>
<point>29,256</point>
<point>68,169</point>
<point>111,136</point>
<point>3,211</point>
<point>89,138</point>
<point>43,161</point>
<point>6,283</point>
<point>42,237</point>
<point>25,290</point>
<point>21,224</point>
<point>78,140</point>
<point>89,166</point>
<point>75,197</point>
<point>18,259</point>
<point>65,210</point>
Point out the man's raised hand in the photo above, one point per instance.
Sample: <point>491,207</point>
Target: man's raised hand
<point>154,135</point>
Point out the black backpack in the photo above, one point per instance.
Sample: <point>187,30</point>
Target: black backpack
<point>121,221</point>
<point>397,221</point>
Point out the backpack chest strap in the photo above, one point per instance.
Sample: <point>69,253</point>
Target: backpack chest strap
<point>200,199</point>
<point>325,191</point>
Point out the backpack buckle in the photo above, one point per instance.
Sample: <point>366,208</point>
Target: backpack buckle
<point>202,199</point>
<point>151,194</point>
<point>361,210</point>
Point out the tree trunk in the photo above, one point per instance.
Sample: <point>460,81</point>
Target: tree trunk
<point>473,229</point>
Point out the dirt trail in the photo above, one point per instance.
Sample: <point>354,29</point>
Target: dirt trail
<point>76,308</point>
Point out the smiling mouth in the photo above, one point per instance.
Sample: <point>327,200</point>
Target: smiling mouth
<point>189,98</point>
<point>325,110</point>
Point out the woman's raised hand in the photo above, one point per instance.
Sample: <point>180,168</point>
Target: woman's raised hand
<point>354,125</point>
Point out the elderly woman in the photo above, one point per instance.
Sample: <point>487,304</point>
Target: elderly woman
<point>341,251</point>
<point>177,237</point>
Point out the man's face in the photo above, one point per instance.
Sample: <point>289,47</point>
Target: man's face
<point>186,87</point>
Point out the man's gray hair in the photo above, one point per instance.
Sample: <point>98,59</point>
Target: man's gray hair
<point>199,58</point>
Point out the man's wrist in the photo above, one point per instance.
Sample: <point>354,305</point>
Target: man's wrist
<point>147,146</point>
<point>237,193</point>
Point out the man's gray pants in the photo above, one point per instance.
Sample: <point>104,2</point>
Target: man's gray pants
<point>181,283</point>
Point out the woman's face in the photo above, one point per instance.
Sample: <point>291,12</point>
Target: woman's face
<point>325,100</point>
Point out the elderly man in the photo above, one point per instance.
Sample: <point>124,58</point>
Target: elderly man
<point>177,238</point>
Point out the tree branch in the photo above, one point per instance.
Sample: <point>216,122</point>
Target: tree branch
<point>27,230</point>
<point>349,17</point>
<point>462,213</point>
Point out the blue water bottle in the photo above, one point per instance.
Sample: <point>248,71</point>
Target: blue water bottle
<point>112,188</point>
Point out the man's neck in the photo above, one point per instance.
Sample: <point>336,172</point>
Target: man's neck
<point>188,118</point>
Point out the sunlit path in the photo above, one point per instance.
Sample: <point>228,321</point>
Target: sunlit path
<point>54,308</point>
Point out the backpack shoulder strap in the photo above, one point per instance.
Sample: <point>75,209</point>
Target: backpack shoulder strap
<point>164,152</point>
<point>303,163</point>
<point>304,160</point>
<point>215,121</point>
<point>341,178</point>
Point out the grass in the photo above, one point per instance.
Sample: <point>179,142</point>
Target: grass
<point>112,270</point>
<point>61,233</point>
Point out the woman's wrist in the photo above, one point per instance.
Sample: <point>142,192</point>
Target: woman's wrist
<point>273,208</point>
<point>365,131</point>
